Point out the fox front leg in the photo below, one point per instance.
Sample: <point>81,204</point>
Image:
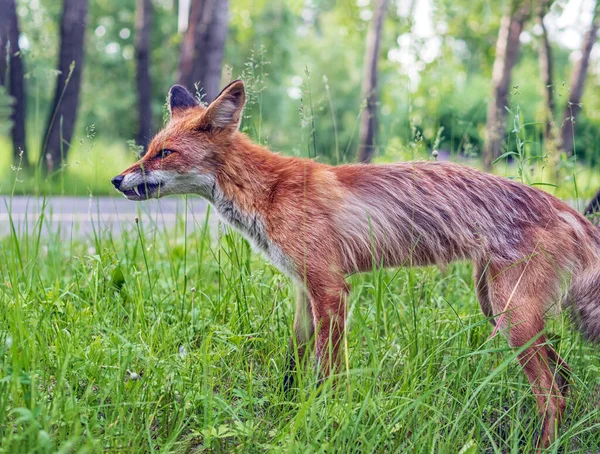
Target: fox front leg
<point>304,329</point>
<point>329,314</point>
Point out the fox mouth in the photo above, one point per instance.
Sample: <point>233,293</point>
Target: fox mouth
<point>142,191</point>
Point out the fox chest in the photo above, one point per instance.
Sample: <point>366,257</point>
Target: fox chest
<point>252,227</point>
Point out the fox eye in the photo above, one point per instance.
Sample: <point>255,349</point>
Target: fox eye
<point>166,152</point>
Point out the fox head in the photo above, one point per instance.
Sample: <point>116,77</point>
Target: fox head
<point>184,157</point>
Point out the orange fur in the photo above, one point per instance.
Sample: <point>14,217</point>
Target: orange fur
<point>318,223</point>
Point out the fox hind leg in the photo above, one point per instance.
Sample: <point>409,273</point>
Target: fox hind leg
<point>520,294</point>
<point>562,371</point>
<point>480,277</point>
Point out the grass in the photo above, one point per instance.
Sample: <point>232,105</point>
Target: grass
<point>91,163</point>
<point>173,340</point>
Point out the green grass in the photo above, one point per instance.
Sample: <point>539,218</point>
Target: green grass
<point>170,340</point>
<point>91,163</point>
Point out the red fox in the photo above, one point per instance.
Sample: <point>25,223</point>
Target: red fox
<point>317,223</point>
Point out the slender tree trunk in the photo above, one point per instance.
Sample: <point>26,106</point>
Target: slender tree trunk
<point>507,52</point>
<point>11,75</point>
<point>61,122</point>
<point>545,58</point>
<point>577,84</point>
<point>203,46</point>
<point>368,120</point>
<point>143,28</point>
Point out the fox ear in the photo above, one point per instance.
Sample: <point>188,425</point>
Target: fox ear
<point>226,110</point>
<point>180,99</point>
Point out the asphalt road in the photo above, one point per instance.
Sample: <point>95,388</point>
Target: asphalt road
<point>80,216</point>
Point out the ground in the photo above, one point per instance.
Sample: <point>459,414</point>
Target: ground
<point>166,337</point>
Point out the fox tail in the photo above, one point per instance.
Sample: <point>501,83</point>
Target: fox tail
<point>584,301</point>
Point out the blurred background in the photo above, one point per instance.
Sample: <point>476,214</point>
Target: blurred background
<point>509,86</point>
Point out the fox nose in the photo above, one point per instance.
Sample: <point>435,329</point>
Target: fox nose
<point>116,181</point>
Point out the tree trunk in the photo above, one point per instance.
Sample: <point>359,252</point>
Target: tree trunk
<point>577,83</point>
<point>507,52</point>
<point>61,123</point>
<point>368,120</point>
<point>11,75</point>
<point>545,58</point>
<point>143,28</point>
<point>593,207</point>
<point>203,46</point>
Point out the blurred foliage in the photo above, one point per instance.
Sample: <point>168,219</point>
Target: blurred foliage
<point>302,62</point>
